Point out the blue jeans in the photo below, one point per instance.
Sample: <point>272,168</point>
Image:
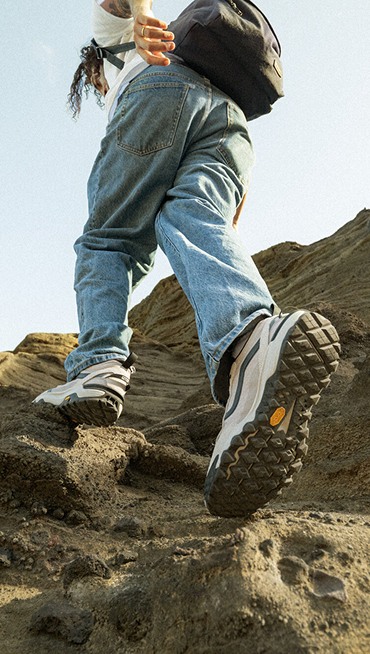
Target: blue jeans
<point>172,169</point>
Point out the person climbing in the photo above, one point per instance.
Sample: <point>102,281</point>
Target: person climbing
<point>173,169</point>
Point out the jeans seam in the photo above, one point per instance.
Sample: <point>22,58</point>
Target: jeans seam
<point>203,81</point>
<point>222,151</point>
<point>173,246</point>
<point>91,223</point>
<point>206,111</point>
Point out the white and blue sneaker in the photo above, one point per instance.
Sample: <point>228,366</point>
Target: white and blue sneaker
<point>95,396</point>
<point>275,380</point>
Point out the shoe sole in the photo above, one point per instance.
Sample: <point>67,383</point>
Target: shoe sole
<point>98,412</point>
<point>262,460</point>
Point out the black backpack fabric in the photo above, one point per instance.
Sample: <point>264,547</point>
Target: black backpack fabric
<point>232,43</point>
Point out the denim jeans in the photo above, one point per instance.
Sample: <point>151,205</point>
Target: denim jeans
<point>172,169</point>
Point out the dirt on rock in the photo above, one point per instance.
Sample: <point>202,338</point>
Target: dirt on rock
<point>105,543</point>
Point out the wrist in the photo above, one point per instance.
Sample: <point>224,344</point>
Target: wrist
<point>141,7</point>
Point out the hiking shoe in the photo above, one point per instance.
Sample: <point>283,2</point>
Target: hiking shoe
<point>274,382</point>
<point>96,395</point>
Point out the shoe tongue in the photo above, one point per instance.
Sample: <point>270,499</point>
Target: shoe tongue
<point>239,344</point>
<point>132,357</point>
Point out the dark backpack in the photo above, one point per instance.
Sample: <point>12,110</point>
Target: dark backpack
<point>231,43</point>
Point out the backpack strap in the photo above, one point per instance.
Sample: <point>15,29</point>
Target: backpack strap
<point>110,52</point>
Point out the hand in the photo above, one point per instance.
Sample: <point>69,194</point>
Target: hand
<point>152,39</point>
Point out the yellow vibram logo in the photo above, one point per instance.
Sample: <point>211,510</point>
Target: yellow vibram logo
<point>66,399</point>
<point>277,416</point>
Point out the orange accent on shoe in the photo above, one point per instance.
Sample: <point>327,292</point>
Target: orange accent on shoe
<point>277,416</point>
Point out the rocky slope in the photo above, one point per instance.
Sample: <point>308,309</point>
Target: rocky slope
<point>332,271</point>
<point>105,544</point>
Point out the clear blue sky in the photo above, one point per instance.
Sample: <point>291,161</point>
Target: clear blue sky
<point>313,155</point>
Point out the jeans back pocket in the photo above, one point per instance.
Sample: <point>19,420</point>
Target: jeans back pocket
<point>150,114</point>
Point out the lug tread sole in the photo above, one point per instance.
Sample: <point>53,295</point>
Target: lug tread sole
<point>262,460</point>
<point>98,412</point>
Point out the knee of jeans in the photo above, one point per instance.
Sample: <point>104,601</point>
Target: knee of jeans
<point>158,227</point>
<point>140,270</point>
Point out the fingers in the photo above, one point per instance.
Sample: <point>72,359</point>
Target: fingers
<point>153,40</point>
<point>152,21</point>
<point>155,33</point>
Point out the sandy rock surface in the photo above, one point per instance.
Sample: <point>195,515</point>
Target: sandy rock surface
<point>105,543</point>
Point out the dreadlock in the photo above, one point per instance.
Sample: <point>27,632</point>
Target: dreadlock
<point>89,67</point>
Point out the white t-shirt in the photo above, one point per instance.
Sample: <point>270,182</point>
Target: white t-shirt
<point>112,30</point>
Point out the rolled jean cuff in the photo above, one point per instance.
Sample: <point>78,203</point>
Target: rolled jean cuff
<point>91,361</point>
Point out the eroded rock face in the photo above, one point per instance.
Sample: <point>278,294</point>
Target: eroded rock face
<point>105,543</point>
<point>331,272</point>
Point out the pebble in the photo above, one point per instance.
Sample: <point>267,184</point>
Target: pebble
<point>267,547</point>
<point>316,514</point>
<point>238,536</point>
<point>5,558</point>
<point>327,586</point>
<point>283,620</point>
<point>72,624</point>
<point>122,558</point>
<point>131,526</point>
<point>182,551</point>
<point>38,509</point>
<point>76,518</point>
<point>317,554</point>
<point>293,570</point>
<point>85,566</point>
